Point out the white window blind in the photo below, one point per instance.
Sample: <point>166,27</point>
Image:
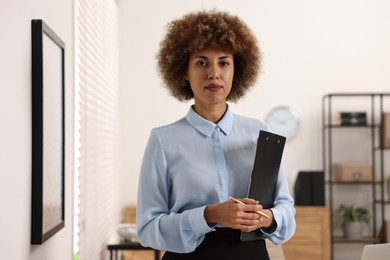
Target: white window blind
<point>98,120</point>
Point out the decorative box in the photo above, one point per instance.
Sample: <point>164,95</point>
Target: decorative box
<point>386,231</point>
<point>385,130</point>
<point>352,118</point>
<point>352,172</point>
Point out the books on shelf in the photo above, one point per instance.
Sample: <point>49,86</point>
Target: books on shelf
<point>352,118</point>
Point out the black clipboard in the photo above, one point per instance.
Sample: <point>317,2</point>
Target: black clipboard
<point>265,174</point>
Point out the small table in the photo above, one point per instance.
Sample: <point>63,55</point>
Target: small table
<point>126,245</point>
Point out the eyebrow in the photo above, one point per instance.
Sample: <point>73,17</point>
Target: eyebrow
<point>220,58</point>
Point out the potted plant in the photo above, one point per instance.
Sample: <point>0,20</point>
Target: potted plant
<point>352,219</point>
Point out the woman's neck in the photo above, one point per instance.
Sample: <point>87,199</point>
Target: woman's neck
<point>213,113</point>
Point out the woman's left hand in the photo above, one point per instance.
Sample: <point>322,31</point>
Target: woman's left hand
<point>238,216</point>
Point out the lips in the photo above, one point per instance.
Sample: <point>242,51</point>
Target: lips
<point>213,87</point>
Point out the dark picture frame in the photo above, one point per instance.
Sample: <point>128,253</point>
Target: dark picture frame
<point>48,131</point>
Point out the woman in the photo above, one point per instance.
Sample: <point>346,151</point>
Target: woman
<point>192,166</point>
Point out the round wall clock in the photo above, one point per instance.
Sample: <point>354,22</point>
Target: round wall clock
<point>283,121</point>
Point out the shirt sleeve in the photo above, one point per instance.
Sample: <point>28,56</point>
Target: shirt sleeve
<point>157,226</point>
<point>283,211</point>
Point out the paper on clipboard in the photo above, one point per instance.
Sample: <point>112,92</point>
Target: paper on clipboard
<point>265,174</point>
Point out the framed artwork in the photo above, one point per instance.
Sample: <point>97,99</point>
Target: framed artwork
<point>48,129</point>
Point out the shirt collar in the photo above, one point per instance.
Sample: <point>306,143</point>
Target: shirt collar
<point>206,127</point>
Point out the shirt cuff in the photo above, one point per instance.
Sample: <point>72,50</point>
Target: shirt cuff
<point>197,221</point>
<point>277,217</point>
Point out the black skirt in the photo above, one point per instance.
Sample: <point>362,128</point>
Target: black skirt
<point>224,244</point>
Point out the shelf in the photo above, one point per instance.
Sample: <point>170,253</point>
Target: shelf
<point>356,94</point>
<point>351,182</point>
<point>379,183</point>
<point>383,201</point>
<point>351,126</point>
<point>334,133</point>
<point>382,148</point>
<point>366,239</point>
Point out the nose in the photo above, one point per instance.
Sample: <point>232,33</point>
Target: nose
<point>214,72</point>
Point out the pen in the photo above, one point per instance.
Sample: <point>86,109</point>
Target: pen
<point>257,211</point>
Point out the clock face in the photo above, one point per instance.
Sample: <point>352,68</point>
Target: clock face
<point>283,121</point>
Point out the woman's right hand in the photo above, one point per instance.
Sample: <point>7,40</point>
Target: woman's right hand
<point>235,215</point>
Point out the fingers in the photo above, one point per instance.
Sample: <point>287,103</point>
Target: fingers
<point>248,225</point>
<point>249,201</point>
<point>249,205</point>
<point>243,215</point>
<point>238,215</point>
<point>246,218</point>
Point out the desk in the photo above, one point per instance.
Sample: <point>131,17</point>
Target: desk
<point>312,237</point>
<point>124,245</point>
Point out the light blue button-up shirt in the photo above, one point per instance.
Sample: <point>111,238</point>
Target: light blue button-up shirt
<point>194,162</point>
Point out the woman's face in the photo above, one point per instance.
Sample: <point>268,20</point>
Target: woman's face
<point>210,73</point>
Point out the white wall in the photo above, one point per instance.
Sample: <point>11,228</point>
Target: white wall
<point>310,48</point>
<point>15,127</point>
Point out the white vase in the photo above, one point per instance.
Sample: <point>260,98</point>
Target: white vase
<point>353,230</point>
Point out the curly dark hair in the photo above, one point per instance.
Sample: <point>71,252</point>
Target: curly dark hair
<point>198,30</point>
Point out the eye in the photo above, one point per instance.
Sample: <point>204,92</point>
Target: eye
<point>224,63</point>
<point>201,63</point>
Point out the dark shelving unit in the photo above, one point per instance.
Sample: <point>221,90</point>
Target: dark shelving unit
<point>330,129</point>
